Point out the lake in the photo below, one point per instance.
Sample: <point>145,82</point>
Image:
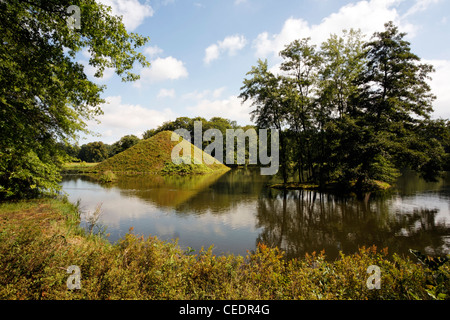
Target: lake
<point>236,210</point>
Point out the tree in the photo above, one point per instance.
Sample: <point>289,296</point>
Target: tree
<point>353,111</point>
<point>94,152</point>
<point>263,89</point>
<point>72,150</point>
<point>301,63</point>
<point>342,63</point>
<point>149,133</point>
<point>393,101</point>
<point>123,144</point>
<point>45,96</point>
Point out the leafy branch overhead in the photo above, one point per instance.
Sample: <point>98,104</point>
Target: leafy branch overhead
<point>45,96</point>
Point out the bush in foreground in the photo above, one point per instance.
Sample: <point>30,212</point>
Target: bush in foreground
<point>40,239</point>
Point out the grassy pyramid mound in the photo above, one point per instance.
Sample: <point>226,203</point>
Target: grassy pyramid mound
<point>154,155</point>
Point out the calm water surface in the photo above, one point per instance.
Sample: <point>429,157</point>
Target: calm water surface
<point>236,210</point>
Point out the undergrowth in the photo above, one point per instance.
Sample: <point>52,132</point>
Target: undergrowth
<point>40,239</point>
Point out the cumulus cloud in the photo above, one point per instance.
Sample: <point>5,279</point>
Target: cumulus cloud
<point>369,16</point>
<point>230,107</point>
<point>439,86</point>
<point>420,5</point>
<point>162,69</point>
<point>166,93</point>
<point>230,45</point>
<point>204,94</point>
<point>153,51</point>
<point>132,11</point>
<point>211,53</point>
<point>121,118</point>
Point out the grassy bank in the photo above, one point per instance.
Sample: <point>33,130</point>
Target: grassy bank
<point>39,239</point>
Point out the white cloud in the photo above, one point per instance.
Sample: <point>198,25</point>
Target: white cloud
<point>420,5</point>
<point>166,93</point>
<point>120,119</point>
<point>238,2</point>
<point>153,51</point>
<point>211,53</point>
<point>162,69</point>
<point>205,94</point>
<point>233,44</point>
<point>230,108</point>
<point>132,11</point>
<point>439,86</point>
<point>369,16</point>
<point>230,45</point>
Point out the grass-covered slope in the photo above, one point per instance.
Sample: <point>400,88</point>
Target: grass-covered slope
<point>154,155</point>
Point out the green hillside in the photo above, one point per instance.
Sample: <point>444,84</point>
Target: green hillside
<point>154,155</point>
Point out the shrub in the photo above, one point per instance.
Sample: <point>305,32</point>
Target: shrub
<point>39,240</point>
<point>107,177</point>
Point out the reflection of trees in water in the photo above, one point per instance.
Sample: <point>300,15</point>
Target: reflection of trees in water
<point>298,221</point>
<point>231,189</point>
<point>410,183</point>
<point>307,221</point>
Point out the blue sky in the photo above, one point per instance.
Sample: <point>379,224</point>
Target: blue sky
<point>200,51</point>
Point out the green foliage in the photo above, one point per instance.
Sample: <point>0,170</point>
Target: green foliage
<point>23,174</point>
<point>382,169</point>
<point>184,166</point>
<point>187,123</point>
<point>351,111</point>
<point>45,96</point>
<point>269,111</point>
<point>93,152</point>
<point>154,155</point>
<point>107,177</point>
<point>123,144</point>
<point>39,240</point>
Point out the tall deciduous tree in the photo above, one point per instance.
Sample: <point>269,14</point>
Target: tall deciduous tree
<point>393,100</point>
<point>299,87</point>
<point>93,152</point>
<point>263,89</point>
<point>353,111</point>
<point>45,96</point>
<point>342,62</point>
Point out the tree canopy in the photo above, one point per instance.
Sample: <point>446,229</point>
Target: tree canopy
<point>352,111</point>
<point>45,95</point>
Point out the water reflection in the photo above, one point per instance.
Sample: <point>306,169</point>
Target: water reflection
<point>234,211</point>
<point>306,221</point>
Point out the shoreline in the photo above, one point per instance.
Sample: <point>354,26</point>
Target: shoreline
<point>39,239</point>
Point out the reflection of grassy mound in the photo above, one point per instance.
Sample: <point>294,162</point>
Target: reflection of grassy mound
<point>154,155</point>
<point>166,190</point>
